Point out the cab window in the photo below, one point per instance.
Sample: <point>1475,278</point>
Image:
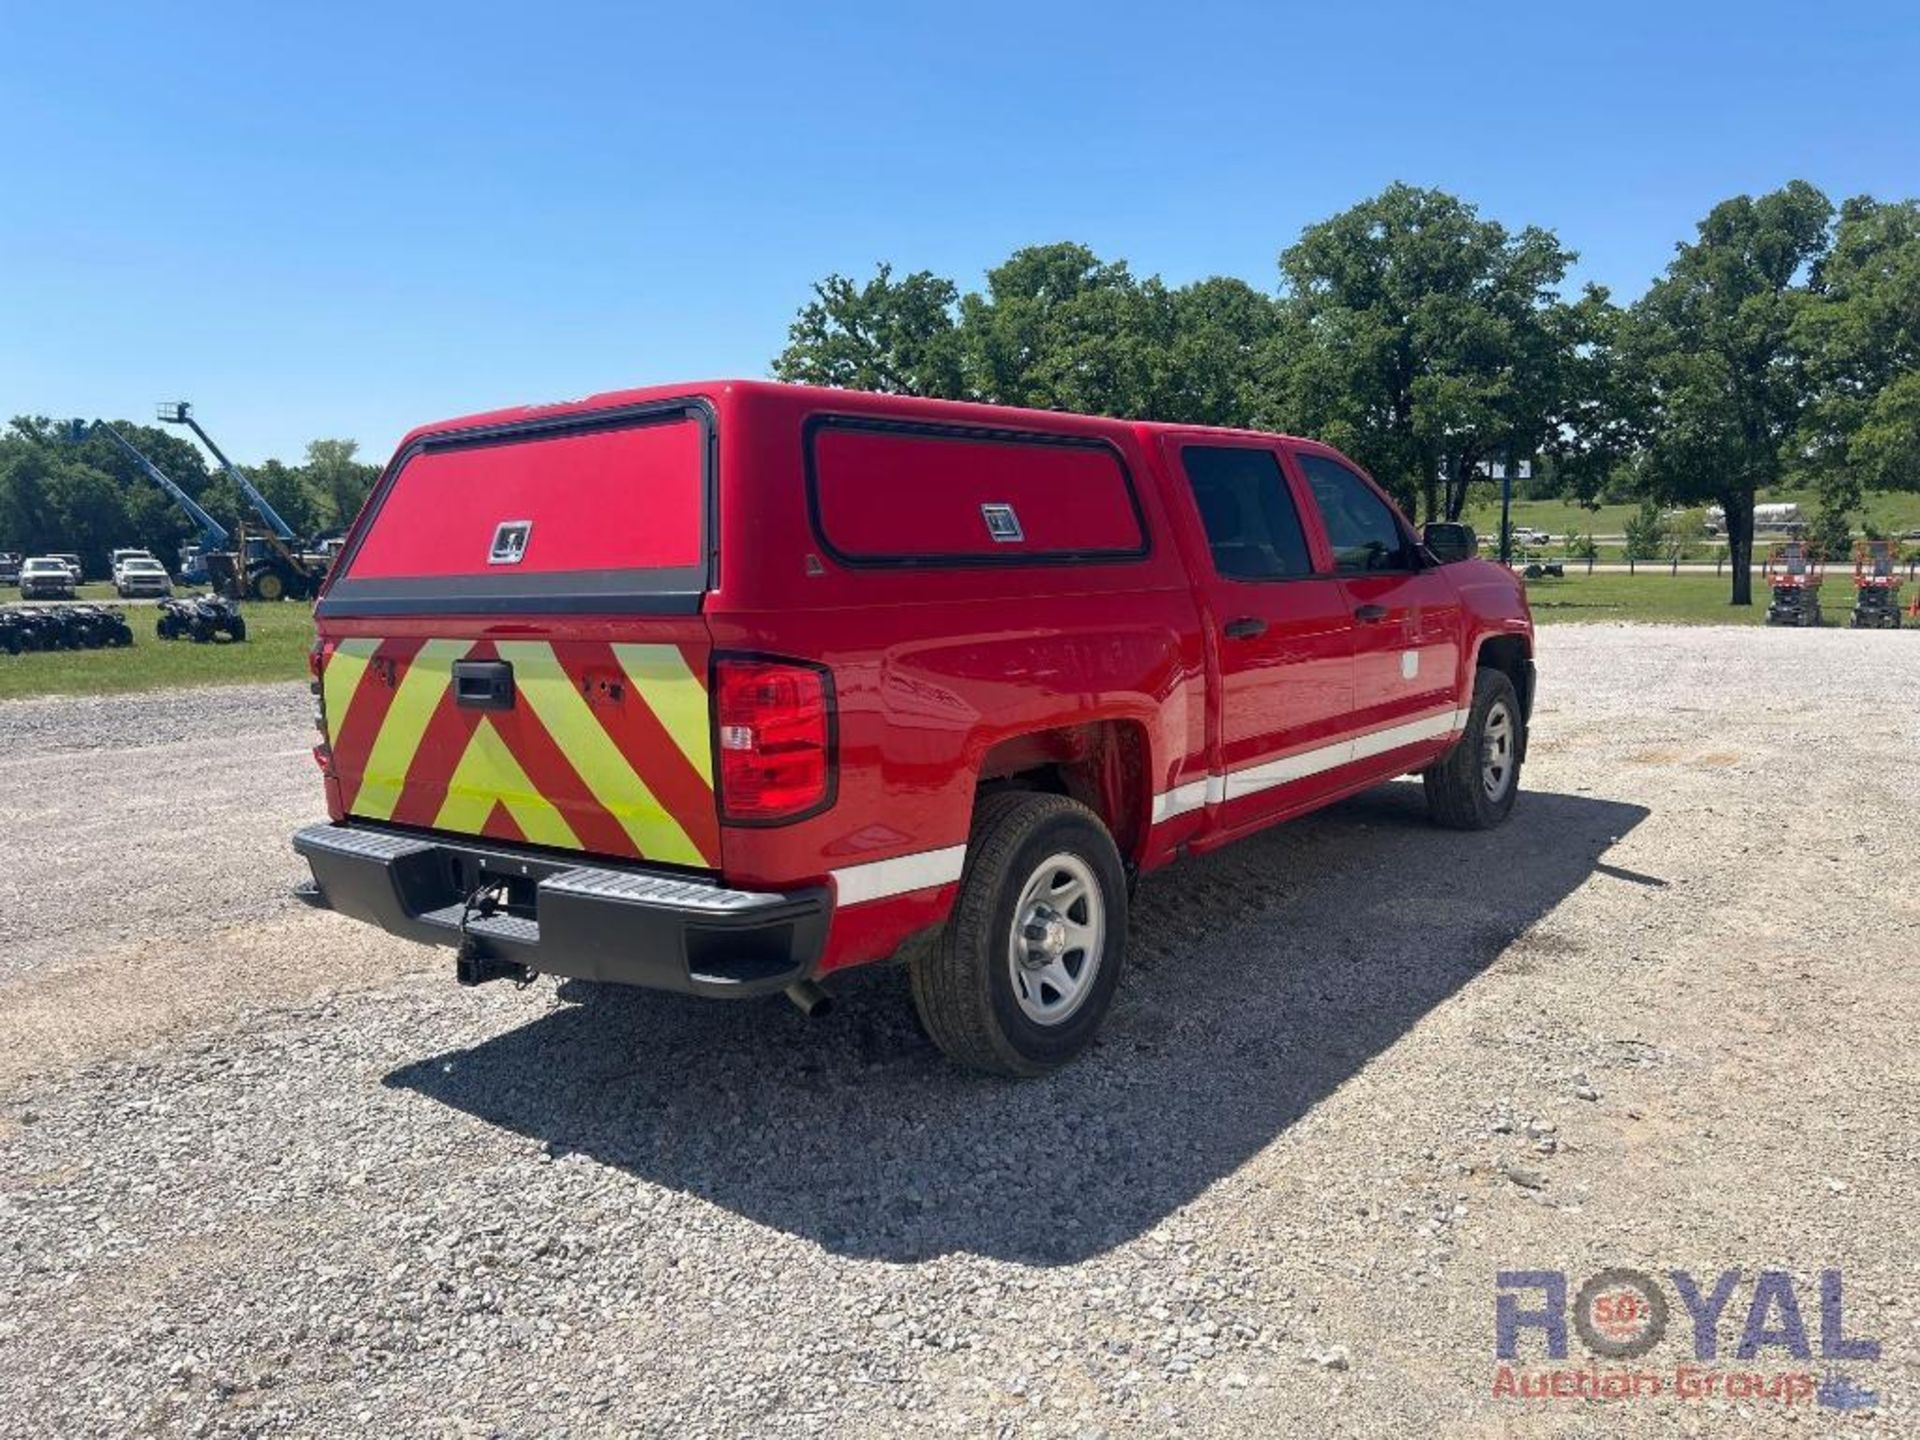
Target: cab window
<point>1252,526</point>
<point>1361,527</point>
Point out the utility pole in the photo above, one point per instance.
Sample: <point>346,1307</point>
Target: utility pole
<point>1506,513</point>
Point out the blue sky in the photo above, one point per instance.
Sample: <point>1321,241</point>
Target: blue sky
<point>345,219</point>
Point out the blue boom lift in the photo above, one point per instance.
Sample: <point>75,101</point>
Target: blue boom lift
<point>268,564</point>
<point>214,538</point>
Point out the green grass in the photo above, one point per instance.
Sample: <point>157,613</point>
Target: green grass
<point>1655,597</point>
<point>1892,511</point>
<point>278,636</point>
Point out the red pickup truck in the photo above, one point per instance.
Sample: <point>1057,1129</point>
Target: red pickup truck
<point>722,688</point>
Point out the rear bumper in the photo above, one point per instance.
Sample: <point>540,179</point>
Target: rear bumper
<point>625,927</point>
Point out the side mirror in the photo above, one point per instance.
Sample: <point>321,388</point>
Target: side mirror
<point>1450,541</point>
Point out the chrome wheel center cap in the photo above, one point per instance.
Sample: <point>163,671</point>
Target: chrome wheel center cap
<point>1046,935</point>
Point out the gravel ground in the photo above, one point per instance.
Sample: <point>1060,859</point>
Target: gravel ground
<point>264,1171</point>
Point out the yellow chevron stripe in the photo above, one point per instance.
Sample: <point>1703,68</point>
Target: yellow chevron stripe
<point>488,774</point>
<point>340,681</point>
<point>676,697</point>
<point>413,704</point>
<point>539,679</point>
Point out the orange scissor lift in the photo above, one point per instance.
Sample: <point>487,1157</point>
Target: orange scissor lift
<point>1876,586</point>
<point>1793,574</point>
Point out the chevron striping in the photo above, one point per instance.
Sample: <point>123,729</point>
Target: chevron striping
<point>676,697</point>
<point>340,681</point>
<point>488,775</point>
<point>367,711</point>
<point>548,689</point>
<point>392,752</point>
<point>655,755</point>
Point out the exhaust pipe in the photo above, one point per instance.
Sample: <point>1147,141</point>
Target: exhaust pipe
<point>809,999</point>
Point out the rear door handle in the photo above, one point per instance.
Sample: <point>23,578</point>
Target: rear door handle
<point>1245,628</point>
<point>1370,614</point>
<point>483,684</point>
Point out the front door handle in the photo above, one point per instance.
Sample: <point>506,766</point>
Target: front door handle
<point>1245,628</point>
<point>1370,614</point>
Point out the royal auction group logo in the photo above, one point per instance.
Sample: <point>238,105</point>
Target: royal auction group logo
<point>1623,1315</point>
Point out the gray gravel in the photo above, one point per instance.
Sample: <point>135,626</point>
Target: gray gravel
<point>262,1171</point>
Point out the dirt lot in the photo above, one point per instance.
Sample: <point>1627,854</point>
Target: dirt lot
<point>262,1171</point>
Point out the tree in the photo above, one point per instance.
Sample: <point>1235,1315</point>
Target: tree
<point>1060,329</point>
<point>1859,341</point>
<point>1598,427</point>
<point>287,490</point>
<point>1831,531</point>
<point>1056,328</point>
<point>1644,532</point>
<point>86,495</point>
<point>1709,346</point>
<point>341,482</point>
<point>1214,372</point>
<point>898,337</point>
<point>1428,342</point>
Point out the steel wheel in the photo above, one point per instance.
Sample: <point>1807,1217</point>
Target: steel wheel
<point>1496,751</point>
<point>1059,930</point>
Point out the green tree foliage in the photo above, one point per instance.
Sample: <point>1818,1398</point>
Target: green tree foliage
<point>1645,532</point>
<point>1056,328</point>
<point>1831,533</point>
<point>1220,367</point>
<point>1860,345</point>
<point>88,496</point>
<point>338,480</point>
<point>1708,345</point>
<point>1429,342</point>
<point>892,336</point>
<point>1060,329</point>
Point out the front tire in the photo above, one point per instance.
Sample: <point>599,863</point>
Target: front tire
<point>1021,976</point>
<point>1474,787</point>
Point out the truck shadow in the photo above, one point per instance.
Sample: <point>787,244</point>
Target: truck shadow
<point>1259,979</point>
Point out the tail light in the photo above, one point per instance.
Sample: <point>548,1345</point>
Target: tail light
<point>773,720</point>
<point>317,658</point>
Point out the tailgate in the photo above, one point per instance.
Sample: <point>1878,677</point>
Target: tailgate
<point>511,645</point>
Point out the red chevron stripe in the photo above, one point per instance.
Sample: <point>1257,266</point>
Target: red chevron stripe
<point>500,826</point>
<point>367,712</point>
<point>651,751</point>
<point>694,657</point>
<point>442,744</point>
<point>559,782</point>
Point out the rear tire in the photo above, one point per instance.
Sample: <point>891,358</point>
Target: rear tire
<point>1022,974</point>
<point>1474,787</point>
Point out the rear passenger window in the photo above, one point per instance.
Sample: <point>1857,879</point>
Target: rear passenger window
<point>1252,525</point>
<point>1361,526</point>
<point>901,493</point>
